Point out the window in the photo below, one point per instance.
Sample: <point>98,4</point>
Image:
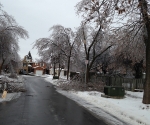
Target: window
<point>24,65</point>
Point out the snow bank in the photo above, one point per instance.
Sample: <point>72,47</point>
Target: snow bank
<point>18,82</point>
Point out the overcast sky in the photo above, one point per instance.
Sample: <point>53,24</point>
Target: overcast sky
<point>37,16</point>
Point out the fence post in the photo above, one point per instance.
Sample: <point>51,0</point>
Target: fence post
<point>130,85</point>
<point>136,80</point>
<point>134,84</point>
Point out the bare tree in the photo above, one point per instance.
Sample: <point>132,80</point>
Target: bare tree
<point>96,13</point>
<point>61,40</point>
<point>64,39</point>
<point>129,47</point>
<point>47,51</point>
<point>94,45</point>
<point>10,33</point>
<point>137,13</point>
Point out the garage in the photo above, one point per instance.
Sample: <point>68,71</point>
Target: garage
<point>39,72</point>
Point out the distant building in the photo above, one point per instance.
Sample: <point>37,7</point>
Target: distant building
<point>39,68</point>
<point>28,66</point>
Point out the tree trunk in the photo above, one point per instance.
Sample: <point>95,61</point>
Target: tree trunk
<point>13,75</point>
<point>0,69</point>
<point>87,74</point>
<point>59,70</point>
<point>54,70</point>
<point>1,66</point>
<point>68,68</point>
<point>144,12</point>
<point>146,96</point>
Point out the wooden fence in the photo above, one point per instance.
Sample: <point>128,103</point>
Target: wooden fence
<point>129,83</point>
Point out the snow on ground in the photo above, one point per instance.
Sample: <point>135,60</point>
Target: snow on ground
<point>129,109</point>
<point>114,111</point>
<point>11,96</point>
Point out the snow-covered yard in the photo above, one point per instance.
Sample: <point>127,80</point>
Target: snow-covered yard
<point>129,109</point>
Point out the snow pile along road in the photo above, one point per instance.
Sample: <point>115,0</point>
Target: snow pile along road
<point>17,83</point>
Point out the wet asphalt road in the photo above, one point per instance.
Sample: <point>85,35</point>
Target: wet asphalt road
<point>43,105</point>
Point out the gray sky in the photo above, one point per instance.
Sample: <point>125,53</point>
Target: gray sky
<point>37,16</point>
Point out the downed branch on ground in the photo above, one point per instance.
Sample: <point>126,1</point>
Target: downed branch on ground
<point>80,86</point>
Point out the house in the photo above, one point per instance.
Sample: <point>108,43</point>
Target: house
<point>39,68</point>
<point>28,66</point>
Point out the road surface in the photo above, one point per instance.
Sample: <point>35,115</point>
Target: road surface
<point>43,105</point>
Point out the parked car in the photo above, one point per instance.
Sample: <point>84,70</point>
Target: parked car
<point>25,73</point>
<point>22,72</point>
